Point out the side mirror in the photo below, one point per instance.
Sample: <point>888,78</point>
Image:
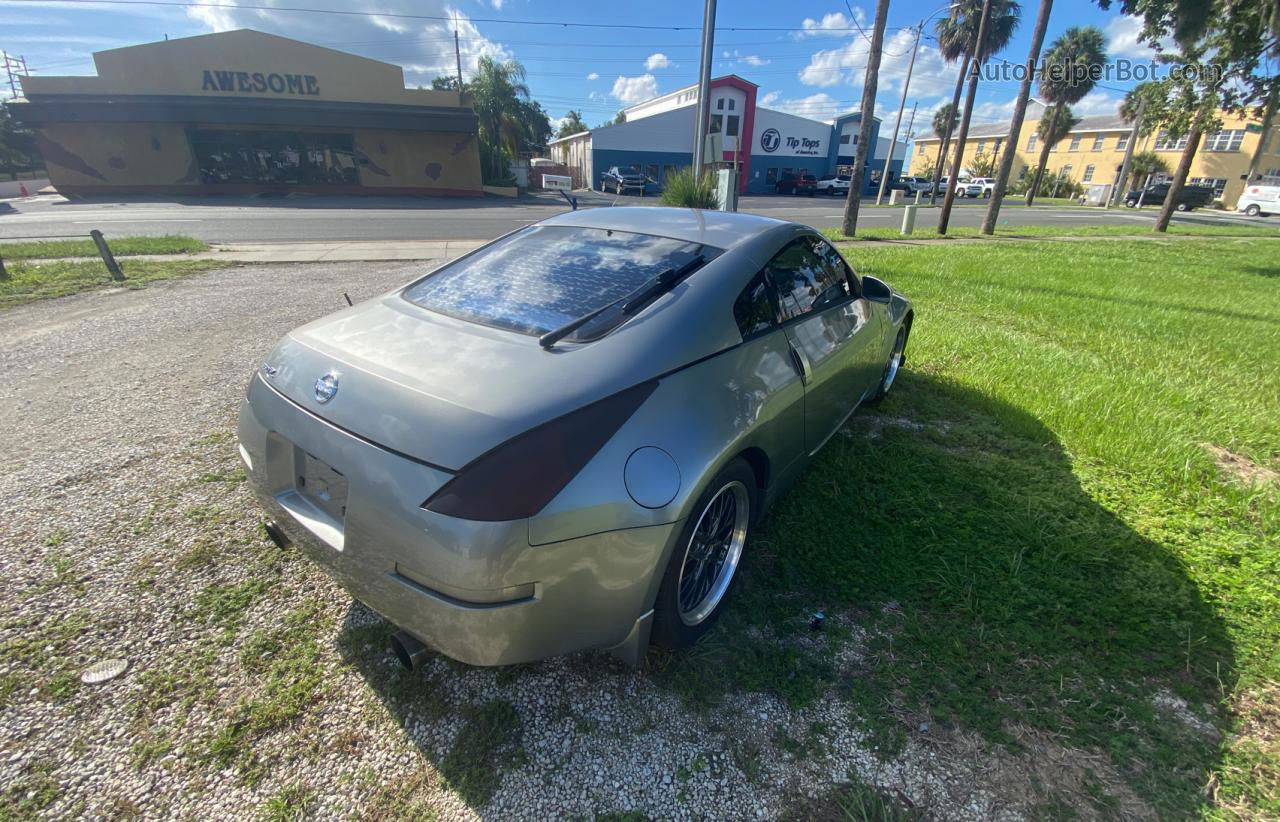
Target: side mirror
<point>875,290</point>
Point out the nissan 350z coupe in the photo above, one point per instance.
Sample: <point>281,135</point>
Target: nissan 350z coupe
<point>563,439</point>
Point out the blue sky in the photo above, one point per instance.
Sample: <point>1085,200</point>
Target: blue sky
<point>811,63</point>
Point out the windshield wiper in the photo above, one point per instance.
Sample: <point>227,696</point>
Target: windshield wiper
<point>642,296</point>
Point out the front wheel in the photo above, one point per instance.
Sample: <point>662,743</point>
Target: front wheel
<point>705,560</point>
<point>897,358</point>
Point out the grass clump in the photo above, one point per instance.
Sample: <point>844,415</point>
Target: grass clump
<point>684,189</point>
<point>121,247</point>
<point>29,282</point>
<point>488,742</point>
<point>287,662</point>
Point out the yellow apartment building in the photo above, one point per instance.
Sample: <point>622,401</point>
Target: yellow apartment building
<point>1094,150</point>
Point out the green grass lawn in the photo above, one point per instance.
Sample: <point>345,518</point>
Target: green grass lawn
<point>29,282</point>
<point>926,229</point>
<point>120,247</point>
<point>1032,531</point>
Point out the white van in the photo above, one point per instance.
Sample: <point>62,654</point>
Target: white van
<point>1258,199</point>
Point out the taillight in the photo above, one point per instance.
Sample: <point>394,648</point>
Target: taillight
<point>518,478</point>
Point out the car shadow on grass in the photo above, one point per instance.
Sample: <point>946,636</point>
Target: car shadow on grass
<point>990,593</point>
<point>970,584</point>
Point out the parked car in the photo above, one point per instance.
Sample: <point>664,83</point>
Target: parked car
<point>833,185</point>
<point>612,398</point>
<point>620,179</point>
<point>1259,200</point>
<point>944,181</point>
<point>978,187</point>
<point>790,183</point>
<point>915,184</point>
<point>1189,199</point>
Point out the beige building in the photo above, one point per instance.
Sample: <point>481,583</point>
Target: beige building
<point>247,112</point>
<point>1094,150</point>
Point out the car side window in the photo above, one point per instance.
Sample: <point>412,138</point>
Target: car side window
<point>754,307</point>
<point>804,281</point>
<point>838,266</point>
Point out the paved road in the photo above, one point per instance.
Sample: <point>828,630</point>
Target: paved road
<point>243,219</point>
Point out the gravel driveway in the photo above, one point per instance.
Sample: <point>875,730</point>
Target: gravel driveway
<point>255,686</point>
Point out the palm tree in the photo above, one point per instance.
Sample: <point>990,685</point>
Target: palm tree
<point>1145,164</point>
<point>1015,123</point>
<point>957,33</point>
<point>572,124</point>
<point>496,92</point>
<point>996,22</point>
<point>1079,46</point>
<point>945,120</point>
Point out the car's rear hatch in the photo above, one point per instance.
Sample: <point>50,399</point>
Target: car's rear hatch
<point>440,390</point>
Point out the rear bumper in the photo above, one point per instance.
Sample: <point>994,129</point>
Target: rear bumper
<point>475,591</point>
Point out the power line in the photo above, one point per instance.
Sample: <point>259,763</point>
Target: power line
<point>433,17</point>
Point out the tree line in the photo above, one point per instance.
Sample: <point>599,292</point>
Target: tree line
<point>1232,40</point>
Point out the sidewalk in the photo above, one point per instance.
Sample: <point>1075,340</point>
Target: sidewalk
<point>366,251</point>
<point>373,251</point>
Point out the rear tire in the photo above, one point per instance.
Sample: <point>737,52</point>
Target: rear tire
<point>1253,210</point>
<point>1182,207</point>
<point>704,563</point>
<point>897,359</point>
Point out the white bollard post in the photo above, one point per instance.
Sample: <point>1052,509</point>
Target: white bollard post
<point>919,191</point>
<point>909,219</point>
<point>895,196</point>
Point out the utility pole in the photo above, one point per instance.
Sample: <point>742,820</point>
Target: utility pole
<point>457,51</point>
<point>8,69</point>
<point>1118,194</point>
<point>703,109</point>
<point>865,114</point>
<point>884,177</point>
<point>979,52</point>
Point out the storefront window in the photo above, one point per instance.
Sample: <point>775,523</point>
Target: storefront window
<point>274,157</point>
<point>731,125</point>
<point>716,123</point>
<point>771,177</point>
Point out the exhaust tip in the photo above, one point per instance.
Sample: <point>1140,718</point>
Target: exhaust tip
<point>276,535</point>
<point>411,653</point>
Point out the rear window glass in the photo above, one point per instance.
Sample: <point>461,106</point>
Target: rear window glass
<point>543,277</point>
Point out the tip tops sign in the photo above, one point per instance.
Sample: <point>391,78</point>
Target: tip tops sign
<point>771,140</point>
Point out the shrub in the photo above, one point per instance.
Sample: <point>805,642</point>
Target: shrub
<point>684,189</point>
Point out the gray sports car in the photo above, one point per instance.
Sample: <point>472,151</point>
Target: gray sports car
<point>563,439</point>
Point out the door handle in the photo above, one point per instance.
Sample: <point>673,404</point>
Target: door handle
<point>801,362</point>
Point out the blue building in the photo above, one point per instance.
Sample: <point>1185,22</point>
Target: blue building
<point>764,144</point>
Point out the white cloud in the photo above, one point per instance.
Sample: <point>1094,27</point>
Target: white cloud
<point>837,23</point>
<point>635,89</point>
<point>593,76</point>
<point>656,61</point>
<point>755,60</point>
<point>820,106</point>
<point>425,52</point>
<point>1123,35</point>
<point>1096,103</point>
<point>845,65</point>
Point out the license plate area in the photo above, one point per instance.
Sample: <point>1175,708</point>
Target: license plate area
<point>321,485</point>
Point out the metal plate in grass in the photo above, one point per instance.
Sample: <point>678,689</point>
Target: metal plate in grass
<point>104,670</point>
